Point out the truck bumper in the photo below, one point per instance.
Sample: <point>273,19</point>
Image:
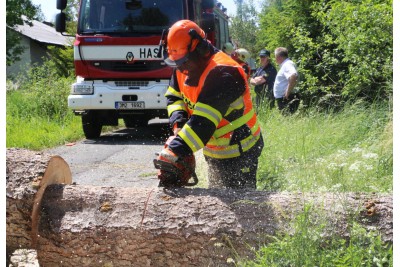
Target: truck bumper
<point>106,94</point>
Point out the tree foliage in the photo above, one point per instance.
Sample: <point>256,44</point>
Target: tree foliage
<point>15,10</point>
<point>63,60</point>
<point>63,57</point>
<point>20,11</point>
<point>244,26</point>
<point>72,16</point>
<point>340,47</point>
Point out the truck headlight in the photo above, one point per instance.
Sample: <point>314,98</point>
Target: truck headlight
<point>81,89</point>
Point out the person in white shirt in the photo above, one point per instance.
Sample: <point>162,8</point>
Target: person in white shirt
<point>285,82</point>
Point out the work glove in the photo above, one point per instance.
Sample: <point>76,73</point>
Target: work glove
<point>176,129</point>
<point>174,170</point>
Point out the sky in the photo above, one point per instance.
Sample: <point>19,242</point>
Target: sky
<point>49,7</point>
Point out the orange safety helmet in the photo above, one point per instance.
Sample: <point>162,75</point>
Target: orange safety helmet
<point>181,41</point>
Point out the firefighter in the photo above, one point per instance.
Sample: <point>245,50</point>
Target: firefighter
<point>241,55</point>
<point>228,48</point>
<point>210,108</point>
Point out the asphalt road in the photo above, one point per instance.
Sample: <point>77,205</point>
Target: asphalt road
<point>122,158</point>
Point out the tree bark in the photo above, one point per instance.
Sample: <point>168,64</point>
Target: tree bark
<point>107,226</point>
<point>28,174</point>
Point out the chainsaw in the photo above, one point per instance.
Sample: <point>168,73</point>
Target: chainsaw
<point>173,176</point>
<point>177,173</point>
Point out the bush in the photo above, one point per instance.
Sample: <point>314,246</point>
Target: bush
<point>340,47</point>
<point>41,92</point>
<point>37,111</point>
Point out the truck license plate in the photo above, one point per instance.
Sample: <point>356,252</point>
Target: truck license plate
<point>129,105</point>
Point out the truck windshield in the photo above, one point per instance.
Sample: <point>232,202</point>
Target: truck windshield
<point>128,16</point>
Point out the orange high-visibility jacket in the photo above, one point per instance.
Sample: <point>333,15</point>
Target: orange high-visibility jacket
<point>219,145</point>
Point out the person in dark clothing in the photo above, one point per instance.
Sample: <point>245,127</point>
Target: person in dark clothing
<point>263,81</point>
<point>210,108</point>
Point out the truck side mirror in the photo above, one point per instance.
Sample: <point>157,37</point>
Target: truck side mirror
<point>60,22</point>
<point>207,22</point>
<point>61,4</point>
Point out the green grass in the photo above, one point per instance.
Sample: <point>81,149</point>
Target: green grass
<point>316,152</point>
<point>38,133</point>
<point>27,126</point>
<point>348,151</point>
<point>37,114</point>
<point>308,245</point>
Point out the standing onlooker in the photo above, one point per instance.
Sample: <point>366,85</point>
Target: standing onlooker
<point>228,48</point>
<point>263,80</point>
<point>285,81</point>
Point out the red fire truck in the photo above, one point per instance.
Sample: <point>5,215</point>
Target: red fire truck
<point>115,54</point>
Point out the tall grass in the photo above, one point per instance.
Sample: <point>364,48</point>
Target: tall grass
<point>308,245</point>
<point>346,151</point>
<point>37,113</point>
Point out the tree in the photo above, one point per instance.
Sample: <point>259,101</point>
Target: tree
<point>362,32</point>
<point>63,57</point>
<point>72,15</point>
<point>340,47</point>
<point>244,26</point>
<point>15,9</point>
<point>82,224</point>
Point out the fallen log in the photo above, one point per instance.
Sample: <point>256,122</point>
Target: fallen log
<point>107,226</point>
<point>28,174</point>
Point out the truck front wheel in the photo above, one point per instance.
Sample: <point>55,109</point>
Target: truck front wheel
<point>91,125</point>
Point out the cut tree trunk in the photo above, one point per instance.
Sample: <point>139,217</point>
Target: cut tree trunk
<point>107,226</point>
<point>28,174</point>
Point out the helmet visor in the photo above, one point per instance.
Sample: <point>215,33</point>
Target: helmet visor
<point>176,62</point>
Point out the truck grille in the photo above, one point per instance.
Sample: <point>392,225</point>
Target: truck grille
<point>131,83</point>
<point>123,66</point>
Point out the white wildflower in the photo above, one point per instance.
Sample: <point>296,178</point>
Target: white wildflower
<point>322,189</point>
<point>368,167</point>
<point>355,166</point>
<point>336,187</point>
<point>370,156</point>
<point>332,166</point>
<point>356,149</point>
<point>230,260</point>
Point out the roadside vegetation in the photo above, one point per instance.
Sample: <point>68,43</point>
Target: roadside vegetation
<point>345,151</point>
<point>37,113</point>
<point>336,152</point>
<point>342,141</point>
<point>308,245</point>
